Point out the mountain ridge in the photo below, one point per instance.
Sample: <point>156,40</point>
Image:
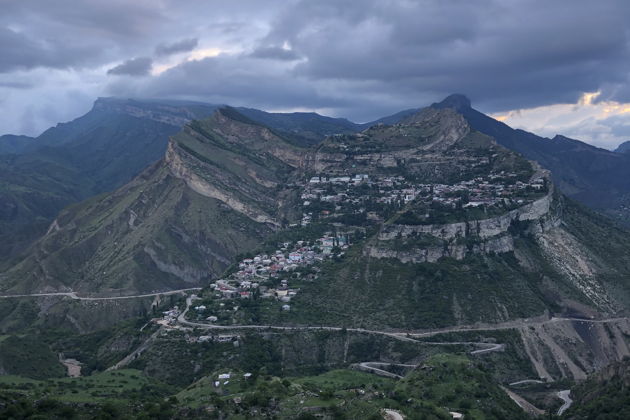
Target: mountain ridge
<point>623,147</point>
<point>596,177</point>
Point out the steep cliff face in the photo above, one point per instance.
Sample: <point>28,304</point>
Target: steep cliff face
<point>196,183</point>
<point>561,250</point>
<point>241,163</point>
<point>458,240</point>
<point>553,264</point>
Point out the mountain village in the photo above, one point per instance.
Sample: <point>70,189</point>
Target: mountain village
<point>376,198</point>
<point>264,276</point>
<point>275,276</point>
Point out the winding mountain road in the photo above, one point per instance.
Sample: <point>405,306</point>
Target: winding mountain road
<point>73,295</point>
<point>486,347</point>
<point>408,336</point>
<point>375,367</point>
<point>401,335</point>
<point>519,323</point>
<point>526,381</point>
<point>564,396</point>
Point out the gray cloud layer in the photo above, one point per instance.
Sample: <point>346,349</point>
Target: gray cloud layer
<point>140,66</point>
<point>356,59</point>
<point>183,45</point>
<point>275,53</point>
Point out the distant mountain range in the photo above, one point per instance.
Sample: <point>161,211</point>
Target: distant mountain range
<point>73,161</point>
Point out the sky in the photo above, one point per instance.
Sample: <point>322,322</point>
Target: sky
<point>547,67</point>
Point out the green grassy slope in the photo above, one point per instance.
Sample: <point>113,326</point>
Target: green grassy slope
<point>177,238</point>
<point>367,292</point>
<point>444,383</point>
<point>28,356</point>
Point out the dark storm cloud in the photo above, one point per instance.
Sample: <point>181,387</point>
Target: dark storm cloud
<point>236,80</point>
<point>378,56</point>
<point>184,45</point>
<point>140,66</point>
<point>359,59</point>
<point>18,51</point>
<point>117,19</point>
<point>503,54</point>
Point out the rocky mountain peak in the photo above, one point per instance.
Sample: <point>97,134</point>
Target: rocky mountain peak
<point>445,126</point>
<point>441,116</point>
<point>455,101</point>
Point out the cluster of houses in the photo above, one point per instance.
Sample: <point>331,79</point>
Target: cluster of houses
<point>487,191</point>
<point>343,196</point>
<point>268,275</point>
<point>224,378</point>
<point>219,338</point>
<point>339,180</point>
<point>170,317</point>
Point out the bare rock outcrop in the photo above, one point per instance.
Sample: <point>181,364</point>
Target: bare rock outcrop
<point>180,170</point>
<point>457,240</point>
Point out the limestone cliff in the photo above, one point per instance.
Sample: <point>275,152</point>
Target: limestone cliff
<point>180,170</point>
<point>457,240</point>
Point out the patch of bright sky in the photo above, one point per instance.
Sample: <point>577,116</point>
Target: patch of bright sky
<point>600,123</point>
<point>196,54</point>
